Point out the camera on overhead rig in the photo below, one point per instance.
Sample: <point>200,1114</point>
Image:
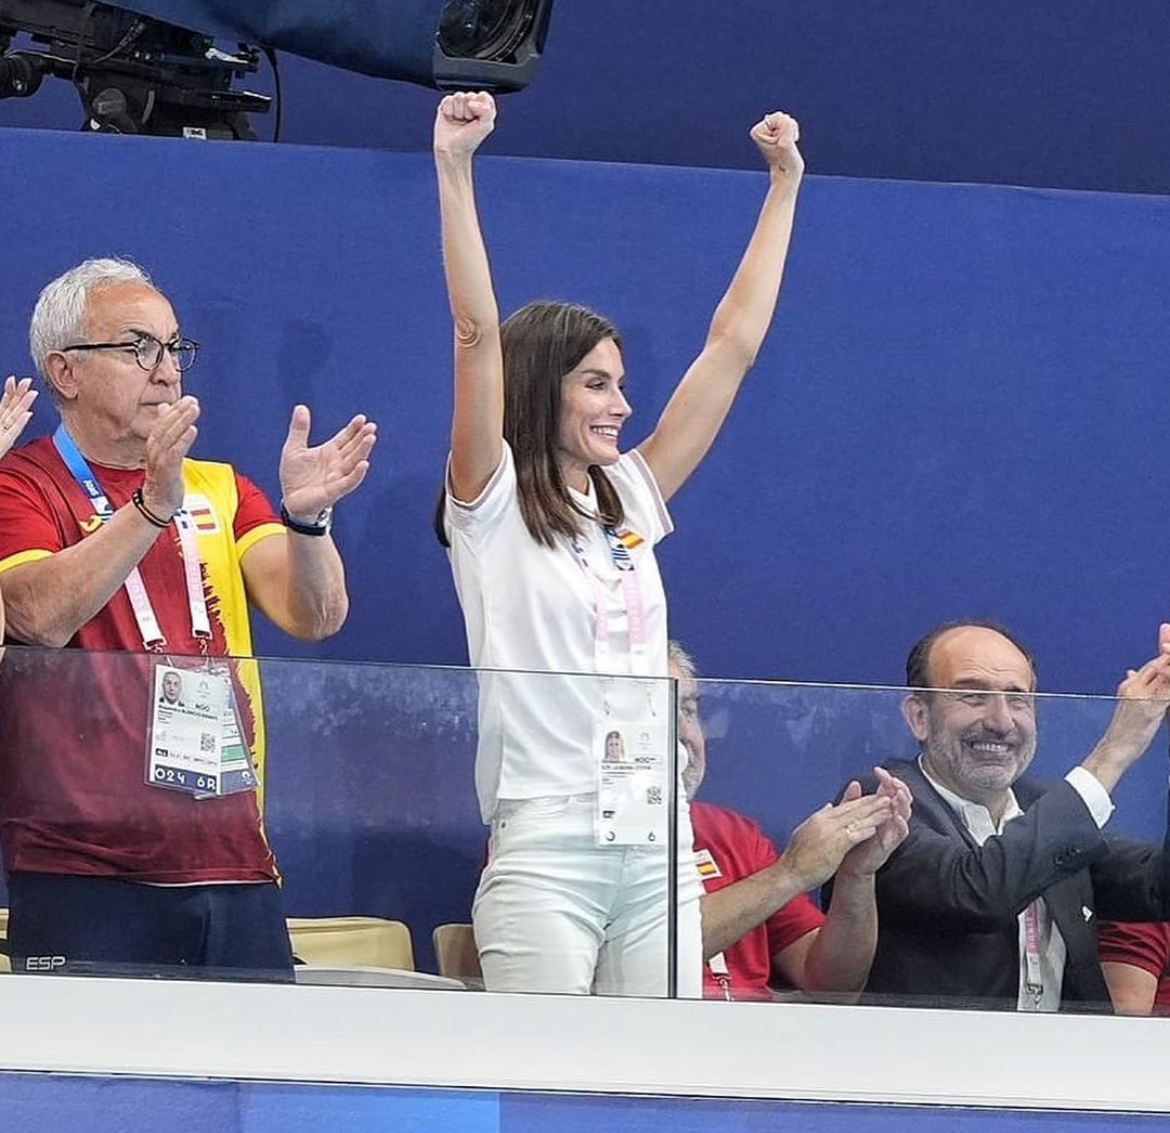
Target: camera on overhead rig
<point>134,74</point>
<point>153,67</point>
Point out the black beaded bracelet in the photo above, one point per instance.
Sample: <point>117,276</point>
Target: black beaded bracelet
<point>321,527</point>
<point>137,500</point>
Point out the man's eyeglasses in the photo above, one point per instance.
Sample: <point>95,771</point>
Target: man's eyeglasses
<point>148,351</point>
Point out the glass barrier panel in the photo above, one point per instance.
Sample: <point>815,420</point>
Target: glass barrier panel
<point>132,786</point>
<point>993,899</point>
<point>401,806</point>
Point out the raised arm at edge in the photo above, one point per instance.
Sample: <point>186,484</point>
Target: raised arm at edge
<point>477,427</point>
<point>700,403</point>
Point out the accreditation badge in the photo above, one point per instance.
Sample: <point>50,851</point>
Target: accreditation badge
<point>195,742</point>
<point>186,724</point>
<point>235,764</point>
<point>630,757</point>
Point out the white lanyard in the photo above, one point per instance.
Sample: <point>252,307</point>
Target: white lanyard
<point>717,966</point>
<point>144,616</point>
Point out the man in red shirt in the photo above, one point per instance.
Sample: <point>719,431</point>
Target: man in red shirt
<point>1135,959</point>
<point>129,822</point>
<point>760,929</point>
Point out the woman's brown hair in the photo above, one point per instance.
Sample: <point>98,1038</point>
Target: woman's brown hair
<point>541,343</point>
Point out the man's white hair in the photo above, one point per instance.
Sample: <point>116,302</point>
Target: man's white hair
<point>58,317</point>
<point>681,659</point>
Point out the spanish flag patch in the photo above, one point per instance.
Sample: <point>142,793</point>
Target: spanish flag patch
<point>706,865</point>
<point>200,514</point>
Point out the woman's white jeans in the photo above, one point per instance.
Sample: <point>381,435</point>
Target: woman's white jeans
<point>555,912</point>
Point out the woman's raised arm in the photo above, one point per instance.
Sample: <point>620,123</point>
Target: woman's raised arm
<point>696,411</point>
<point>477,427</point>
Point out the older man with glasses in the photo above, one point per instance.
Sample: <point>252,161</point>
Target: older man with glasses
<point>129,821</point>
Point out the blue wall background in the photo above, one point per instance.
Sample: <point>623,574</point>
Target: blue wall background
<point>960,410</point>
<point>1027,92</point>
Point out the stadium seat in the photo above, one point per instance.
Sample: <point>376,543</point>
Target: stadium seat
<point>351,941</point>
<point>456,953</point>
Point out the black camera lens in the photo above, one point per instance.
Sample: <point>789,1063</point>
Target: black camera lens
<point>484,29</point>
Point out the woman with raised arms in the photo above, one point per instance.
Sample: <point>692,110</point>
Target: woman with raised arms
<point>551,529</point>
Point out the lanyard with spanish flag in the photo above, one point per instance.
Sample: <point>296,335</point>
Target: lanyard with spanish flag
<point>631,595</point>
<point>144,616</point>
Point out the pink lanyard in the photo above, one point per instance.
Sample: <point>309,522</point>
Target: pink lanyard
<point>631,596</point>
<point>144,616</point>
<point>1033,976</point>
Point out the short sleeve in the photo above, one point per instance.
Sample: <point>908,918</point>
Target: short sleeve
<point>642,500</point>
<point>254,518</point>
<point>1145,945</point>
<point>28,530</point>
<point>490,505</point>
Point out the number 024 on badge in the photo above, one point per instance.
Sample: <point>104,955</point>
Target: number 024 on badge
<point>185,739</point>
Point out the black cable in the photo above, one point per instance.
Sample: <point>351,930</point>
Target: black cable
<point>136,30</point>
<point>134,33</point>
<point>270,54</point>
<point>86,17</point>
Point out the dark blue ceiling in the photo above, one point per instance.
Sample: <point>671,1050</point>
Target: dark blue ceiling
<point>1060,93</point>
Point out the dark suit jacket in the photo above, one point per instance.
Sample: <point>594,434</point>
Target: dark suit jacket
<point>948,908</point>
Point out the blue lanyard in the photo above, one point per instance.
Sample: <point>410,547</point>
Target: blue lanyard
<point>144,616</point>
<point>79,468</point>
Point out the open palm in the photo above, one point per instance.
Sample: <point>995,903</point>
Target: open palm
<point>314,478</point>
<point>15,410</point>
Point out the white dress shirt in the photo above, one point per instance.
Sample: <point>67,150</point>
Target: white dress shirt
<point>1042,973</point>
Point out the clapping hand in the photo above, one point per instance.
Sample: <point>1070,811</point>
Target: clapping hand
<point>15,410</point>
<point>1142,701</point>
<point>817,847</point>
<point>314,478</point>
<point>870,855</point>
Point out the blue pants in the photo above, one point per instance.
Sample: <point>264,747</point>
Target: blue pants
<point>106,926</point>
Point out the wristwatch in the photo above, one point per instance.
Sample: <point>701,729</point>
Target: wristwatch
<point>319,526</point>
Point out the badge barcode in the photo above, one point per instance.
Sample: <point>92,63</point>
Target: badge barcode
<point>654,796</point>
<point>207,741</point>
